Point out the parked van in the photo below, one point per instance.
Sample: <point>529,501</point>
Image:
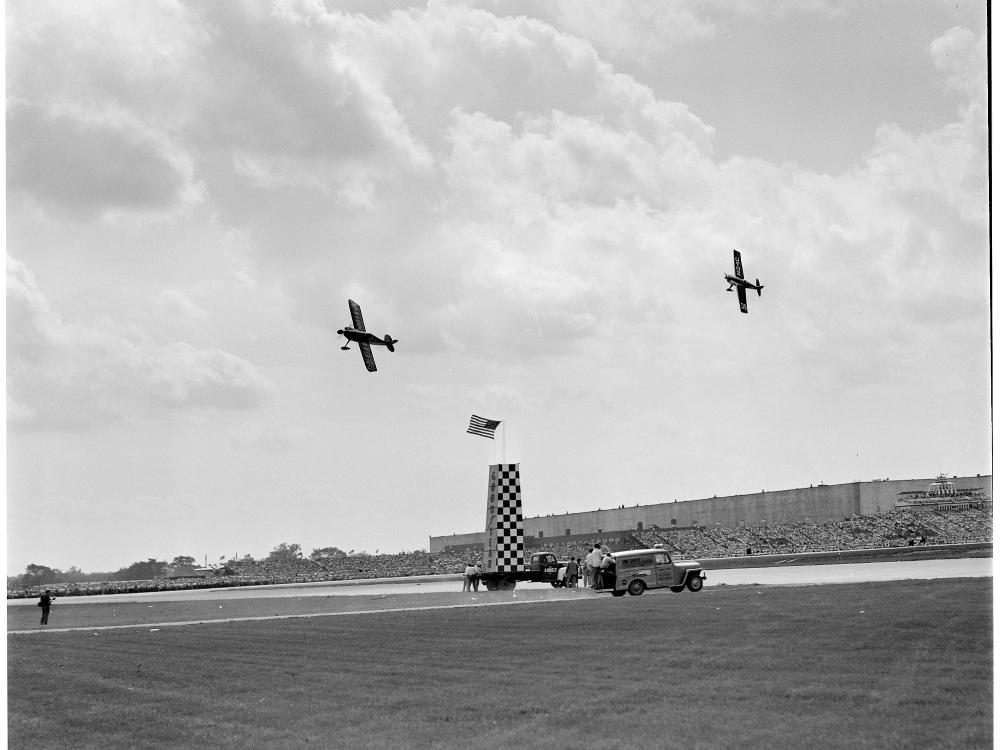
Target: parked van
<point>636,570</point>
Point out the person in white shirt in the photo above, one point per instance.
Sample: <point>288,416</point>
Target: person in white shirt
<point>594,563</point>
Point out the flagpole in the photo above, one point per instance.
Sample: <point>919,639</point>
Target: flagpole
<point>503,450</point>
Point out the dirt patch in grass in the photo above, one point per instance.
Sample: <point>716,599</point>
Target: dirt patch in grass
<point>875,665</point>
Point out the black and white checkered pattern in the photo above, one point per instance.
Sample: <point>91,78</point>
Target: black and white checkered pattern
<point>505,523</point>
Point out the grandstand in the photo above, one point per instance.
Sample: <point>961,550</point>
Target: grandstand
<point>816,504</point>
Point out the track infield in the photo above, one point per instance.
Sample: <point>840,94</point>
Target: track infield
<point>880,665</point>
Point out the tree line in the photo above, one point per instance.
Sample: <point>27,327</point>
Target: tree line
<point>41,575</point>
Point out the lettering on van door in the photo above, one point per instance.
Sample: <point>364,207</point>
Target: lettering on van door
<point>664,570</point>
<point>637,567</point>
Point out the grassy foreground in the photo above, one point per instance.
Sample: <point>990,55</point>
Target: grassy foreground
<point>874,665</point>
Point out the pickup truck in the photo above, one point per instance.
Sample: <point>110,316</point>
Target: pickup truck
<point>541,567</point>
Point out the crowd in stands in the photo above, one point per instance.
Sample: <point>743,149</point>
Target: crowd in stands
<point>896,528</point>
<point>93,588</point>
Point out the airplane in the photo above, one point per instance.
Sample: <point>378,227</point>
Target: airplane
<point>740,283</point>
<point>364,339</point>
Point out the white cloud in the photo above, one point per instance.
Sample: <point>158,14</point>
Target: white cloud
<point>961,56</point>
<point>634,30</point>
<point>639,30</point>
<point>172,303</point>
<point>95,165</point>
<point>179,375</point>
<point>946,164</point>
<point>137,53</point>
<point>77,374</point>
<point>136,93</point>
<point>503,158</point>
<point>91,127</point>
<point>560,158</point>
<point>270,437</point>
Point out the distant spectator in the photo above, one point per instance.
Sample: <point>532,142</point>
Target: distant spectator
<point>45,602</point>
<point>572,571</point>
<point>593,562</point>
<point>606,573</point>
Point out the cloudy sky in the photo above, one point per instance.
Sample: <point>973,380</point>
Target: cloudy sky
<point>539,200</point>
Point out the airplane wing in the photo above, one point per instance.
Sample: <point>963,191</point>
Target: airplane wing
<point>737,262</point>
<point>741,292</point>
<point>366,352</point>
<point>357,320</point>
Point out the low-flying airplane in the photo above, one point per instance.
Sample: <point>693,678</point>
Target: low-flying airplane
<point>740,283</point>
<point>357,332</point>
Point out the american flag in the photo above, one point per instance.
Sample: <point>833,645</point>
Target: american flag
<point>484,427</point>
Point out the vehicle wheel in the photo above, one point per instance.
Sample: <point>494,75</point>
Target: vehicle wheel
<point>491,585</point>
<point>636,588</point>
<point>677,589</point>
<point>616,592</point>
<point>507,583</point>
<point>695,583</point>
<point>557,584</point>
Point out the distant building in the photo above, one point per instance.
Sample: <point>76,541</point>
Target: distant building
<point>942,494</point>
<point>824,502</point>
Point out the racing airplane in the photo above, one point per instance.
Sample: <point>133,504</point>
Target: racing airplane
<point>365,340</point>
<point>740,283</point>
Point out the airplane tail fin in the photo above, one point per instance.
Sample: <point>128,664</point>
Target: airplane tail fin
<point>389,341</point>
<point>760,287</point>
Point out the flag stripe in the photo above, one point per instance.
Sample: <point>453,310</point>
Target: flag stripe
<point>483,427</point>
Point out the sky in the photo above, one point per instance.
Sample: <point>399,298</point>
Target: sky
<point>539,199</point>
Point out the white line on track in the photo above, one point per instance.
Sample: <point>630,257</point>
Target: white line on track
<point>261,618</point>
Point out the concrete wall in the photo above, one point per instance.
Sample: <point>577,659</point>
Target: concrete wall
<point>439,543</point>
<point>813,504</point>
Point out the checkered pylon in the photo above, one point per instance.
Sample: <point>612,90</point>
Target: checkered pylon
<point>504,522</point>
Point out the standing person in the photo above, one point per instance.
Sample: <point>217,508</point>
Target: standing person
<point>594,558</point>
<point>586,568</point>
<point>476,576</point>
<point>45,602</point>
<point>572,571</point>
<point>608,570</point>
<point>470,570</point>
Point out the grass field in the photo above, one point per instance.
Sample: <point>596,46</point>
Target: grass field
<point>880,665</point>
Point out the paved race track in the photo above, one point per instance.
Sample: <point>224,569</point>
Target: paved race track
<point>772,576</point>
<point>157,610</point>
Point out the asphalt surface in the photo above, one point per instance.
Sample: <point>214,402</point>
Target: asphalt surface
<point>801,575</point>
